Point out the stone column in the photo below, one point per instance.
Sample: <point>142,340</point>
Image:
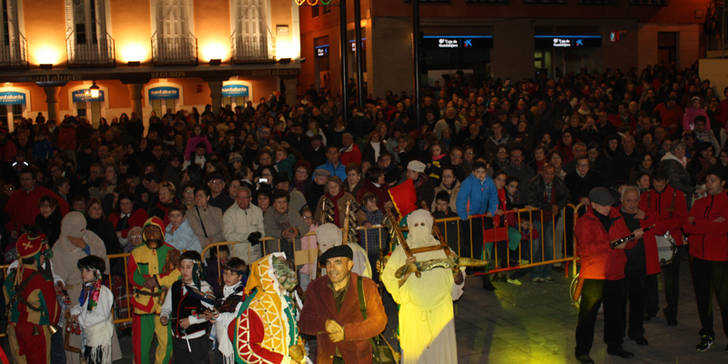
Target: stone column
<point>52,101</point>
<point>215,94</point>
<point>135,94</point>
<point>291,90</point>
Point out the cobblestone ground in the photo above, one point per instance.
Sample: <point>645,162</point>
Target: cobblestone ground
<point>534,323</point>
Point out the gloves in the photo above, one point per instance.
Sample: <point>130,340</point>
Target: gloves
<point>254,238</point>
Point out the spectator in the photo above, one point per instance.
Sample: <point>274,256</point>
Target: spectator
<point>197,140</point>
<point>178,232</point>
<point>243,224</point>
<point>316,188</point>
<point>48,220</point>
<point>353,179</point>
<point>205,220</point>
<point>24,203</point>
<point>284,162</point>
<point>674,163</point>
<point>308,243</point>
<point>449,184</point>
<point>96,222</point>
<point>548,194</point>
<point>126,217</point>
<point>333,164</point>
<point>581,181</point>
<point>350,152</point>
<point>337,197</point>
<point>423,185</point>
<point>167,193</point>
<point>282,222</point>
<point>695,109</point>
<point>219,199</point>
<point>518,168</point>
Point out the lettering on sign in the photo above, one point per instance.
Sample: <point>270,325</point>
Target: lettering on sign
<point>177,74</point>
<point>56,78</point>
<point>447,43</point>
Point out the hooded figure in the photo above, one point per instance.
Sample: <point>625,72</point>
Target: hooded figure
<point>329,235</point>
<point>75,243</point>
<point>266,330</point>
<point>426,318</point>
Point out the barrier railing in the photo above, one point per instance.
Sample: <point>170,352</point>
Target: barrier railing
<point>493,238</point>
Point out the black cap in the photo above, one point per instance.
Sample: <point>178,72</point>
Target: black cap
<point>214,176</point>
<point>601,196</point>
<point>335,252</point>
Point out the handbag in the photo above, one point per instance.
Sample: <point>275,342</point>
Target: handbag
<point>382,351</point>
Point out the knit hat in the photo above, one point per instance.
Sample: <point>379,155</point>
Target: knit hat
<point>28,246</point>
<point>416,166</point>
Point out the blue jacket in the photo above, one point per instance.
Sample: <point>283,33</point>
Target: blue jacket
<point>183,238</point>
<point>338,171</point>
<point>483,197</point>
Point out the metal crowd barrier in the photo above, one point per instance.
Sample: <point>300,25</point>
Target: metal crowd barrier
<point>478,237</point>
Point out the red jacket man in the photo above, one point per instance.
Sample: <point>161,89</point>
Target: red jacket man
<point>23,205</point>
<point>336,320</point>
<point>598,260</point>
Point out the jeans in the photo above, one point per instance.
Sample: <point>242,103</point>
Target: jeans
<point>58,352</point>
<point>547,253</point>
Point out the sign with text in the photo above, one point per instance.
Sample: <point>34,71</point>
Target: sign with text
<point>568,41</point>
<point>447,42</point>
<point>163,93</point>
<point>84,95</point>
<point>12,98</point>
<point>322,50</point>
<point>235,90</point>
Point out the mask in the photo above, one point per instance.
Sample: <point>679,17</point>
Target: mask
<point>285,275</point>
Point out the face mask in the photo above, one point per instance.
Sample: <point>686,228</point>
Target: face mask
<point>285,275</point>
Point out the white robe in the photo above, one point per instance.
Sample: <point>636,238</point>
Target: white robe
<point>426,317</point>
<point>97,325</point>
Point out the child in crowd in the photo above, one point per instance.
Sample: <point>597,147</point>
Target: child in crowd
<point>442,206</point>
<point>134,239</point>
<point>308,243</point>
<point>369,238</point>
<point>93,312</point>
<point>235,276</point>
<point>179,233</point>
<point>188,308</point>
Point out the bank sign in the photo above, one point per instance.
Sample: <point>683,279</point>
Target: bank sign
<point>235,91</point>
<point>163,93</point>
<point>450,42</point>
<point>12,98</point>
<point>84,95</point>
<point>568,41</point>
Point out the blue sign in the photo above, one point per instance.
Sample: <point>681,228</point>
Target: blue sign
<point>452,42</point>
<point>163,93</point>
<point>12,98</point>
<point>235,90</point>
<point>567,41</point>
<point>84,95</point>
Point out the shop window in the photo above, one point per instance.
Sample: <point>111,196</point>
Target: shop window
<point>9,30</point>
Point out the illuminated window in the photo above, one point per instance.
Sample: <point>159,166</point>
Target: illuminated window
<point>172,17</point>
<point>86,20</point>
<point>9,30</point>
<point>251,35</point>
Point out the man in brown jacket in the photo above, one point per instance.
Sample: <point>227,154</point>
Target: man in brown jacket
<point>331,311</point>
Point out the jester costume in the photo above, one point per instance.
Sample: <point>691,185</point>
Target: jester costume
<point>266,329</point>
<point>152,268</point>
<point>31,300</point>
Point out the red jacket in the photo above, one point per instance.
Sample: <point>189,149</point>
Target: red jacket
<point>708,239</point>
<point>137,218</point>
<point>352,156</point>
<point>320,306</point>
<point>652,259</point>
<point>22,206</point>
<point>598,260</point>
<point>671,208</point>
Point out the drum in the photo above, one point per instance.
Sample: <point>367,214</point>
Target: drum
<point>666,248</point>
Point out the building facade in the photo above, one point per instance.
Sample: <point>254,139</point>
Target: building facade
<point>503,38</point>
<point>101,58</point>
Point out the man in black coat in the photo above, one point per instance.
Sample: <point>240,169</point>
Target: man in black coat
<point>582,180</point>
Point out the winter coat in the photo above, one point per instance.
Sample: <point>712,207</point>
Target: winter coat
<point>708,238</point>
<point>183,238</point>
<point>476,197</point>
<point>598,259</point>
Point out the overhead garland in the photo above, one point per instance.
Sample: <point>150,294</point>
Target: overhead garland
<point>313,2</point>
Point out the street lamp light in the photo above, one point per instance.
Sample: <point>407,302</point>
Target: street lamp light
<point>94,91</point>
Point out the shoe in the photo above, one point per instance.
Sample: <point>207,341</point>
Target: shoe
<point>538,280</point>
<point>640,341</point>
<point>514,281</point>
<point>584,359</point>
<point>620,352</point>
<point>705,343</point>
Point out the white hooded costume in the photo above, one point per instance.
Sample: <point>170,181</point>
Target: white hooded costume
<point>426,317</point>
<point>329,235</point>
<point>65,257</point>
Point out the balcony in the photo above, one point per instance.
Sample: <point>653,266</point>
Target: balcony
<point>14,51</point>
<point>85,50</point>
<point>174,49</point>
<point>250,48</point>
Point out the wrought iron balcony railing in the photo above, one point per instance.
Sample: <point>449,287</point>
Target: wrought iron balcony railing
<point>90,51</point>
<point>174,49</point>
<point>14,51</point>
<point>250,48</point>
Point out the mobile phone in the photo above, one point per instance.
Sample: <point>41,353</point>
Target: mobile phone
<point>263,180</point>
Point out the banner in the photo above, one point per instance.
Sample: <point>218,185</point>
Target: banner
<point>163,93</point>
<point>12,98</point>
<point>235,90</point>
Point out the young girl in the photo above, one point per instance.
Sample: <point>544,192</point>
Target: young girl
<point>308,242</point>
<point>93,312</point>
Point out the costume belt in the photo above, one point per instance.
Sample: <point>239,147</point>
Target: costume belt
<point>148,293</point>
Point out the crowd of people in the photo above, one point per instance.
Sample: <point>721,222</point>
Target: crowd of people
<point>480,148</point>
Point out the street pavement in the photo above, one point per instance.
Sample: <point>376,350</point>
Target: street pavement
<point>535,323</point>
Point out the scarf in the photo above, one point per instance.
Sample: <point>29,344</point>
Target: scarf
<point>335,202</point>
<point>91,291</point>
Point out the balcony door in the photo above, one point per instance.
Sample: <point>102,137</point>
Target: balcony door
<point>12,47</point>
<point>251,35</point>
<point>173,30</point>
<point>87,39</point>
